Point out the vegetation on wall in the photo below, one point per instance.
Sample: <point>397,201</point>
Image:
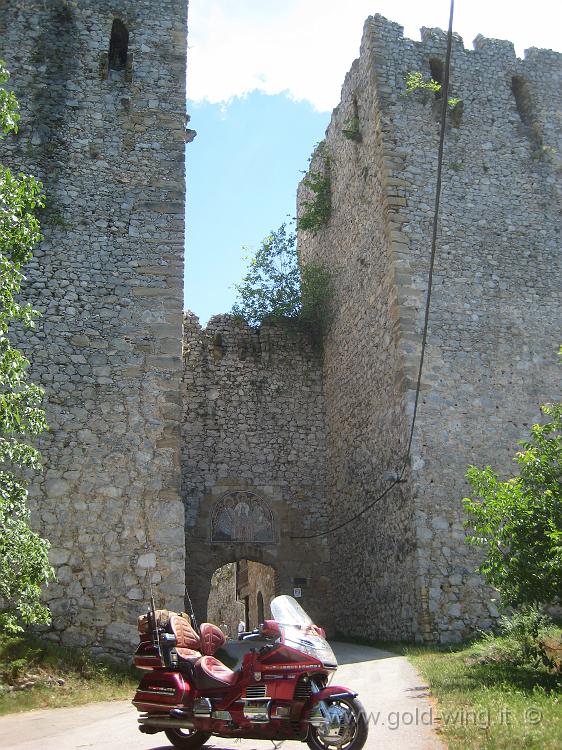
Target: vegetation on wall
<point>315,212</point>
<point>24,565</point>
<point>518,522</point>
<point>277,287</point>
<point>352,131</point>
<point>416,82</point>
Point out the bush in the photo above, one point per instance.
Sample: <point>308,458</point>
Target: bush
<point>517,641</point>
<point>519,522</point>
<point>24,562</point>
<point>278,288</point>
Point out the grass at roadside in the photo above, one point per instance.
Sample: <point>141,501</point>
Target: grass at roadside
<point>482,701</point>
<point>36,674</point>
<point>491,706</point>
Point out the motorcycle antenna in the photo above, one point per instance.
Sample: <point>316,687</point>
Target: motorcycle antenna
<point>191,612</point>
<point>154,624</point>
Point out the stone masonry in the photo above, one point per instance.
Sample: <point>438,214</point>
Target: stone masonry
<point>165,471</point>
<point>491,357</point>
<point>103,127</point>
<point>254,457</point>
<point>241,591</point>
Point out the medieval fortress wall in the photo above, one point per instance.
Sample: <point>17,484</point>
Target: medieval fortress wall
<point>106,136</point>
<point>254,457</point>
<point>261,439</point>
<point>495,314</point>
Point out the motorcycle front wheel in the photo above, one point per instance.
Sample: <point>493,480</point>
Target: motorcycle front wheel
<point>344,729</point>
<point>186,738</point>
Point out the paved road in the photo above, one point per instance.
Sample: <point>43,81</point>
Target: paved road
<point>389,687</point>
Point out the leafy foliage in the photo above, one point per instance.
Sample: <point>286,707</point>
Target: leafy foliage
<point>316,297</point>
<point>9,114</point>
<point>276,288</point>
<point>519,522</point>
<point>416,82</point>
<point>518,639</point>
<point>270,289</point>
<point>315,213</point>
<point>352,129</point>
<point>24,565</point>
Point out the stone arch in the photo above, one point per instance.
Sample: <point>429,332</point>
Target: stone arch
<point>213,542</point>
<point>260,607</point>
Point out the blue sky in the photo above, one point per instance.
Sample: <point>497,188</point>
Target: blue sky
<point>242,172</point>
<point>262,80</point>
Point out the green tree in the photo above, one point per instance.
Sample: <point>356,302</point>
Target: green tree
<point>519,522</point>
<point>24,564</point>
<point>276,287</point>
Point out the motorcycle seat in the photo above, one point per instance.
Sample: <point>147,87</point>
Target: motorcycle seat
<point>188,643</point>
<point>212,673</point>
<point>212,638</point>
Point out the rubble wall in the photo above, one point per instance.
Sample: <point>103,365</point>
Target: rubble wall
<point>108,145</point>
<point>495,312</point>
<point>254,460</point>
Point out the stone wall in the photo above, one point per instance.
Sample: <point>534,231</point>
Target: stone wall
<point>109,147</point>
<point>230,586</point>
<point>223,608</point>
<point>253,462</point>
<point>255,582</point>
<point>277,440</point>
<point>494,325</point>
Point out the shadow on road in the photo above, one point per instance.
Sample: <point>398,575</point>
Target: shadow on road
<point>351,653</point>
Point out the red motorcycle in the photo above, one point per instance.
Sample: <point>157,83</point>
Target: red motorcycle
<point>280,690</point>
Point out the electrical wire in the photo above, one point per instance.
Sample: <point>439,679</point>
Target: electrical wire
<point>398,479</point>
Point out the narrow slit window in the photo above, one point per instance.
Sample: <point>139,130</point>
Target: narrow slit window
<point>436,67</point>
<point>118,46</point>
<point>523,102</point>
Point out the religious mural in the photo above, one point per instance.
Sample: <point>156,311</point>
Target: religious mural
<point>242,516</point>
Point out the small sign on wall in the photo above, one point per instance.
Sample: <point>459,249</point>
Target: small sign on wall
<point>297,593</point>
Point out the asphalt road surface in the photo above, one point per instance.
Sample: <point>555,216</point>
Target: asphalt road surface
<point>395,697</point>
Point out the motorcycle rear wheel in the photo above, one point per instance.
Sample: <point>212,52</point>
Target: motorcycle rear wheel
<point>348,730</point>
<point>187,739</point>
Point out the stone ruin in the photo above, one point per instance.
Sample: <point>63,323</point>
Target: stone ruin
<point>162,469</point>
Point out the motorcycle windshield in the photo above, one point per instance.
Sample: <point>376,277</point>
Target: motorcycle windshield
<point>287,611</point>
<point>299,631</point>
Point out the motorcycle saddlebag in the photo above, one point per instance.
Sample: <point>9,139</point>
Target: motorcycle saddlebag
<point>146,656</point>
<point>160,689</point>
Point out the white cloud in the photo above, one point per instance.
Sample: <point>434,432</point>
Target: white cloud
<point>305,47</point>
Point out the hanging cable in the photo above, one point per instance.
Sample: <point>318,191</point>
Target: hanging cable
<point>444,107</point>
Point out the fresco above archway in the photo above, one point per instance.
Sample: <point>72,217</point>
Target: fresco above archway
<point>242,516</point>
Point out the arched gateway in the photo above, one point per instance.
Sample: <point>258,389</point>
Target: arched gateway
<point>253,461</point>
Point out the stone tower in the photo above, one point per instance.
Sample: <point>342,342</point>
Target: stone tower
<point>402,570</point>
<point>102,91</point>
